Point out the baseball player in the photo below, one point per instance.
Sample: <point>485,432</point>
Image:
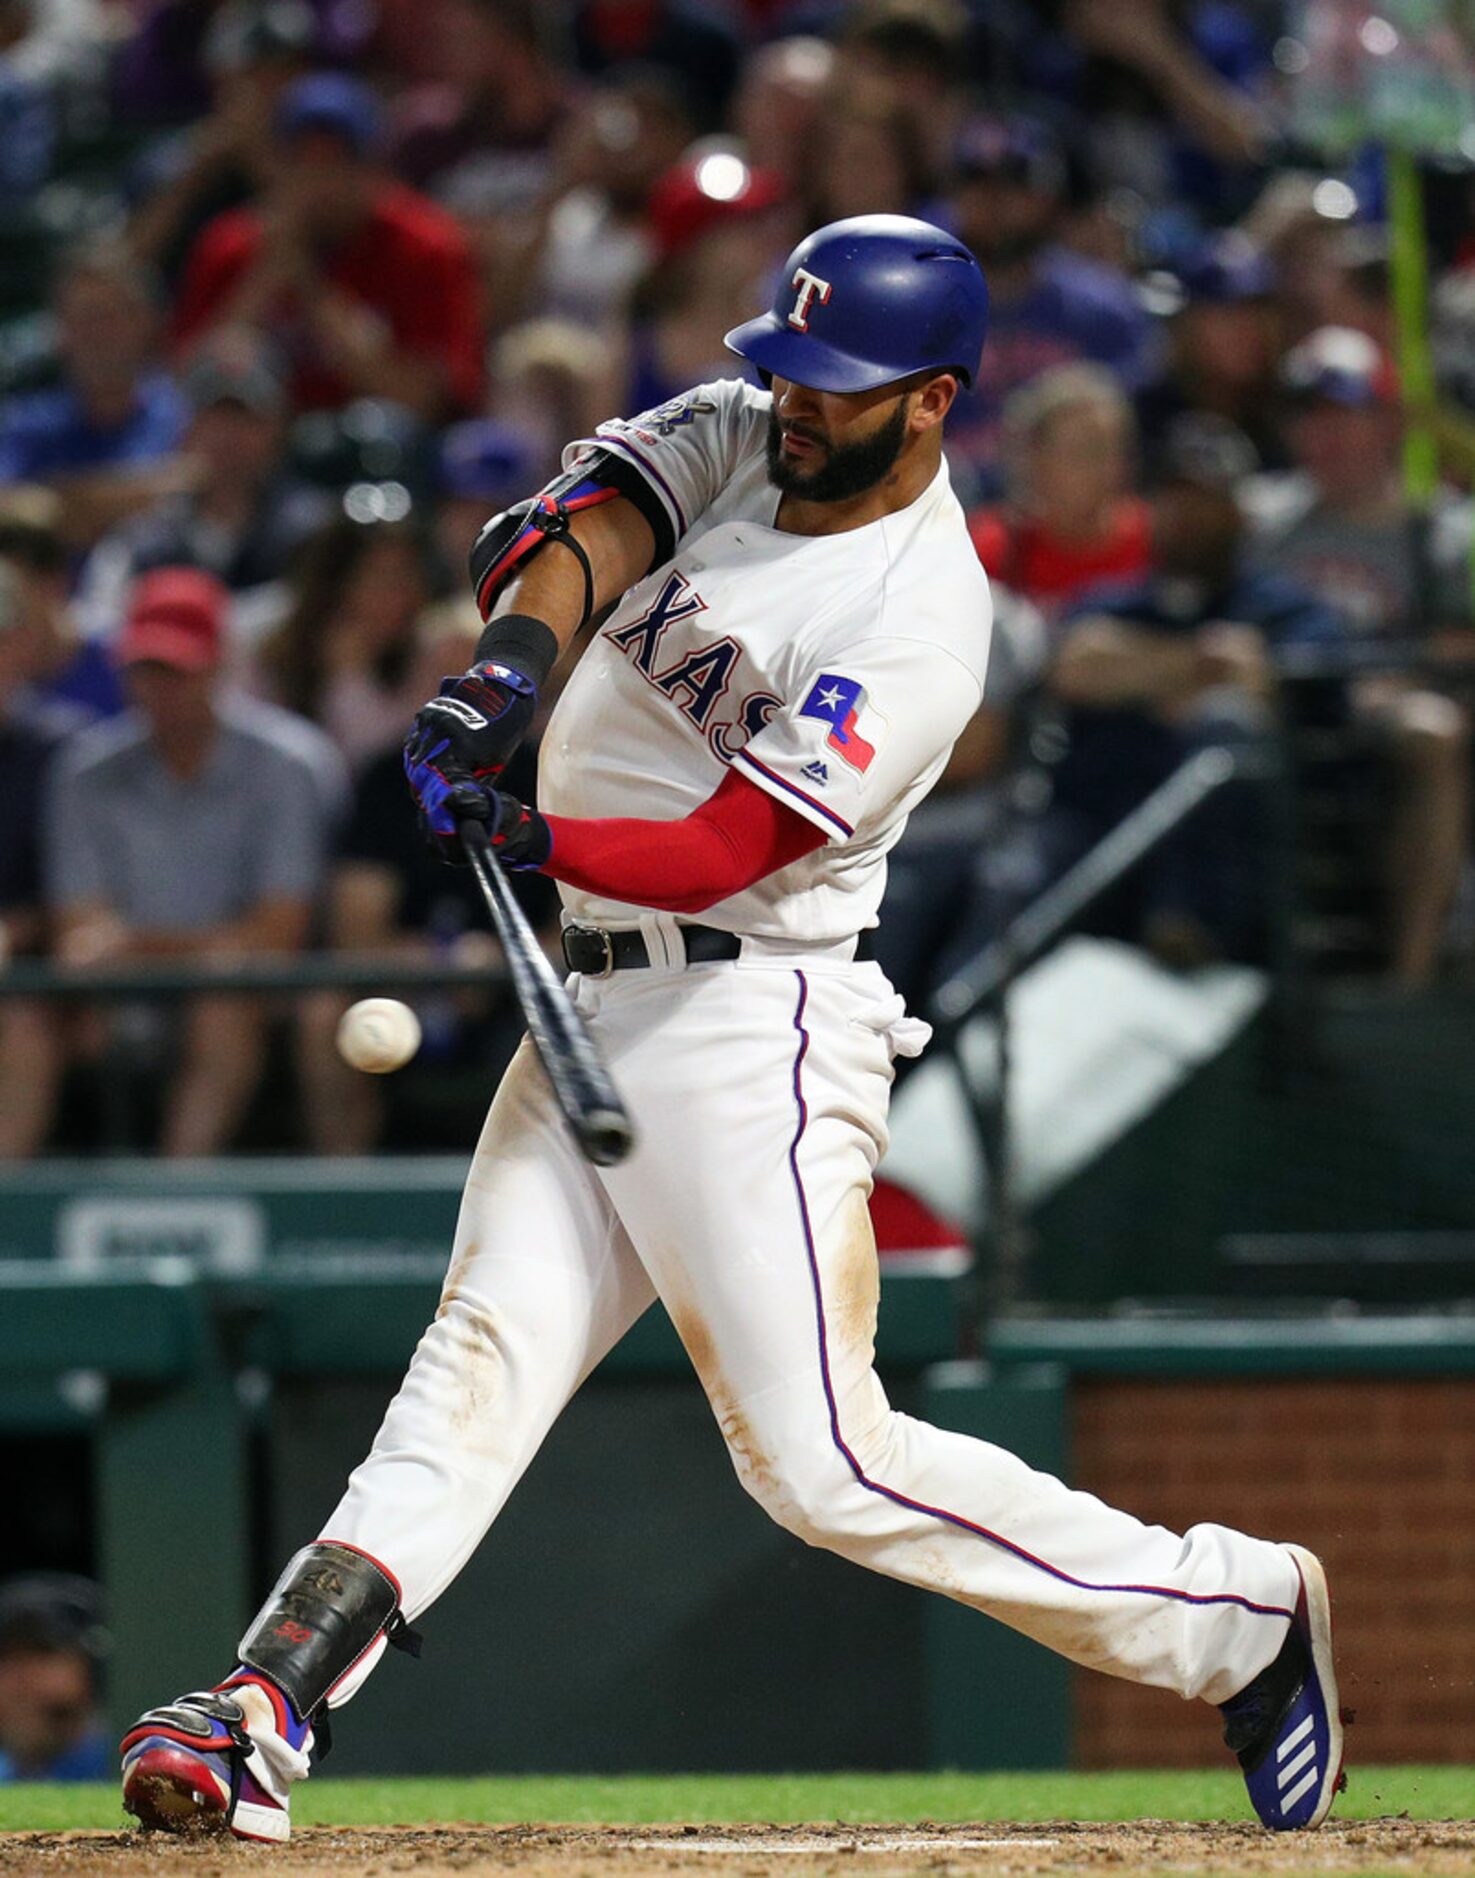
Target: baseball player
<point>791,629</point>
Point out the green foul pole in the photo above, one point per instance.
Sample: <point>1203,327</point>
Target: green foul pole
<point>1409,258</point>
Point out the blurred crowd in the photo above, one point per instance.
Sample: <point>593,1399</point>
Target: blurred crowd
<point>296,293</point>
<point>53,1655</point>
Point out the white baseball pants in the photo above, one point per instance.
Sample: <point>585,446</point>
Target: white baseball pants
<point>759,1094</point>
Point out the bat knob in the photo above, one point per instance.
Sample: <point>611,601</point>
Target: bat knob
<point>606,1136</point>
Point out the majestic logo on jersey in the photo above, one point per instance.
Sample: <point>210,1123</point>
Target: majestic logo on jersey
<point>856,727</point>
<point>817,772</point>
<point>808,288</point>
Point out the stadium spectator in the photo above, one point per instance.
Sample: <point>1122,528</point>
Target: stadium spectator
<point>1157,669</point>
<point>915,52</point>
<point>343,655</point>
<point>1073,520</point>
<point>106,438</point>
<point>720,228</point>
<point>1339,523</point>
<point>489,119</point>
<point>245,516</point>
<point>1049,306</point>
<point>1338,519</point>
<point>160,74</point>
<point>30,1053</point>
<point>865,158</point>
<point>389,895</point>
<point>777,106</point>
<point>55,43</point>
<point>484,466</point>
<point>195,828</point>
<point>1220,332</point>
<point>555,380</point>
<point>27,121</point>
<point>594,244</point>
<point>1175,97</point>
<point>52,1651</point>
<point>693,47</point>
<point>71,678</point>
<point>367,286</point>
<point>1302,223</point>
<point>253,50</point>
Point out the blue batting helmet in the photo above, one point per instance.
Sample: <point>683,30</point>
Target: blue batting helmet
<point>869,300</point>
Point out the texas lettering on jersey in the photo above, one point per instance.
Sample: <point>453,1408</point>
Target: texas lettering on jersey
<point>700,676</point>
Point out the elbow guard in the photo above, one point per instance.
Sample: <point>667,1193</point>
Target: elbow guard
<point>511,539</point>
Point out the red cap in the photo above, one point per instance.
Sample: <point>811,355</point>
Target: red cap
<point>702,191</point>
<point>176,616</point>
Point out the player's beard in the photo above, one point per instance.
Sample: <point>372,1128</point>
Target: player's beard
<point>847,470</point>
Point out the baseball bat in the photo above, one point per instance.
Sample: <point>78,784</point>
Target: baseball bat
<point>581,1083</point>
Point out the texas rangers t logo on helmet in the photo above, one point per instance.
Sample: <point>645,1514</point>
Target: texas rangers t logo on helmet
<point>809,289</point>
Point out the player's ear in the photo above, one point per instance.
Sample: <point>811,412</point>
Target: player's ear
<point>932,399</point>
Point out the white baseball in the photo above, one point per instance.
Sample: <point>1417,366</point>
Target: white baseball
<point>378,1035</point>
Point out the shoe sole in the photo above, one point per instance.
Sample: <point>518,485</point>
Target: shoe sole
<point>1319,1637</point>
<point>164,1792</point>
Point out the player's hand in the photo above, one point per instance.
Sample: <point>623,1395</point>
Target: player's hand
<point>479,718</point>
<point>521,839</point>
<point>447,797</point>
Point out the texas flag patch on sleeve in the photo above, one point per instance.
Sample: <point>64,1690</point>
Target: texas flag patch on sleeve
<point>856,726</point>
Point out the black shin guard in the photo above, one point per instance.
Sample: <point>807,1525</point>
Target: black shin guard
<point>326,1611</point>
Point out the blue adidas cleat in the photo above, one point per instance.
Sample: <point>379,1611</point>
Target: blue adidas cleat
<point>218,1761</point>
<point>1285,1726</point>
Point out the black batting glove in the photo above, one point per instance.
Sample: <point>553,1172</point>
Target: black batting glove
<point>474,723</point>
<point>445,797</point>
<point>520,838</point>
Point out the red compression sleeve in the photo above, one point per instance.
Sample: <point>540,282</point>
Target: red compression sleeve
<point>738,835</point>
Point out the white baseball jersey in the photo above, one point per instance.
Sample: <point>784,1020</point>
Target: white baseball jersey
<point>834,671</point>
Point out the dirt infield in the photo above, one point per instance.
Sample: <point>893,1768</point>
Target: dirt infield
<point>1388,1846</point>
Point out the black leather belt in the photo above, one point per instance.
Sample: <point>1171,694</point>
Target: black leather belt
<point>596,952</point>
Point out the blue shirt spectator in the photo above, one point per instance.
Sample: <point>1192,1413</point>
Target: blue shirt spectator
<point>70,679</point>
<point>1049,306</point>
<point>105,435</point>
<point>27,136</point>
<point>44,434</point>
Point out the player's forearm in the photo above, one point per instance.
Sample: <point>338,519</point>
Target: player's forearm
<point>619,543</point>
<point>737,837</point>
<point>674,867</point>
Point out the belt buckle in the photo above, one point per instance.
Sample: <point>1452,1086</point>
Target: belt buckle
<point>580,935</point>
